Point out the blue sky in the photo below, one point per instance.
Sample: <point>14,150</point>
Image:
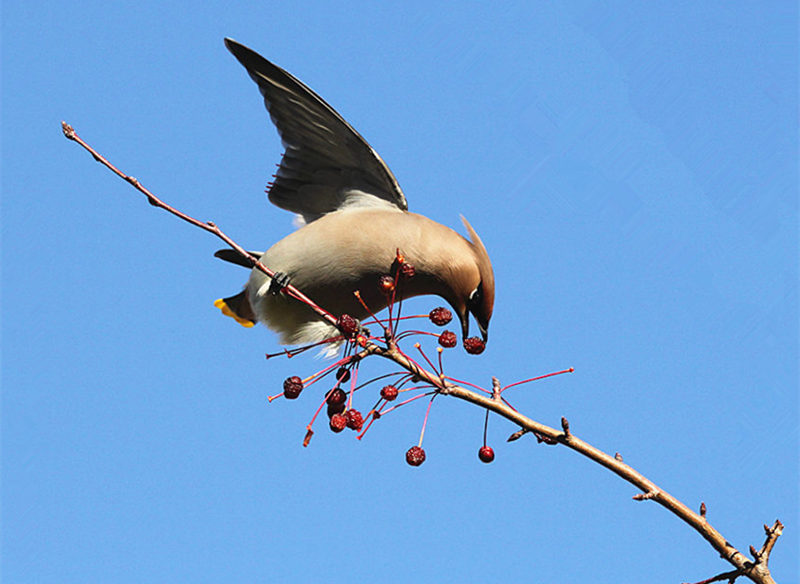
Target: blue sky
<point>632,170</point>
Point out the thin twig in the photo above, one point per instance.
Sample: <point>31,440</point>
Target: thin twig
<point>209,226</point>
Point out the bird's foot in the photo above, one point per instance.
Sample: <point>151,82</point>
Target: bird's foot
<point>279,281</point>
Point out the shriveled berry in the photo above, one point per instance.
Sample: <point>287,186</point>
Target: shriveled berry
<point>407,271</point>
<point>389,392</point>
<point>336,397</point>
<point>440,316</point>
<point>486,454</point>
<point>386,284</point>
<point>354,419</point>
<point>292,386</point>
<point>474,345</point>
<point>347,325</point>
<point>343,374</point>
<point>415,456</point>
<point>338,423</point>
<point>448,339</point>
<point>334,409</point>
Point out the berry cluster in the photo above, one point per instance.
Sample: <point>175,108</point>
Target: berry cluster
<point>338,400</point>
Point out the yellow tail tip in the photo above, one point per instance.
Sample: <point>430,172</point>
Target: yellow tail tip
<point>226,310</point>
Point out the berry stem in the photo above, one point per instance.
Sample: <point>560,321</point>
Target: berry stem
<point>425,421</point>
<point>472,385</point>
<point>570,370</point>
<point>418,347</point>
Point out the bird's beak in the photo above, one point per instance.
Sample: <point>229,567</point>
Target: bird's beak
<point>464,324</point>
<point>484,331</point>
<point>484,328</point>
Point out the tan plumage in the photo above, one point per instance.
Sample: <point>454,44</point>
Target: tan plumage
<point>356,219</point>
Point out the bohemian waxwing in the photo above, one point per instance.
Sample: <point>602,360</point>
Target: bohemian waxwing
<point>355,219</point>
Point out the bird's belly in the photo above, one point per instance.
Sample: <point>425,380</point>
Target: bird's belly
<point>331,258</point>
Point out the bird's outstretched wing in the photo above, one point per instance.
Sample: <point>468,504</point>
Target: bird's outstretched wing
<point>326,160</point>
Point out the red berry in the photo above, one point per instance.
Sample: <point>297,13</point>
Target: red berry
<point>474,345</point>
<point>343,374</point>
<point>415,456</point>
<point>407,271</point>
<point>389,393</point>
<point>347,325</point>
<point>386,284</point>
<point>336,397</point>
<point>334,409</point>
<point>338,423</point>
<point>486,454</point>
<point>440,316</point>
<point>354,419</point>
<point>448,339</point>
<point>292,386</point>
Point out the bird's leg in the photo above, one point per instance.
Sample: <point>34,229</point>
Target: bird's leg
<point>279,281</point>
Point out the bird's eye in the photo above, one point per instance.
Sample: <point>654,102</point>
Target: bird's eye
<point>476,296</point>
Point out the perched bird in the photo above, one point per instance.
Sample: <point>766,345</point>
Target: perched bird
<point>355,218</point>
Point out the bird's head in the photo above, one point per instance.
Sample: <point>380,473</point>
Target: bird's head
<point>474,291</point>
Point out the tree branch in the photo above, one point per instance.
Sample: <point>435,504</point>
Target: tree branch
<point>756,570</point>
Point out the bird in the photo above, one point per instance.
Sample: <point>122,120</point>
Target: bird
<point>354,221</point>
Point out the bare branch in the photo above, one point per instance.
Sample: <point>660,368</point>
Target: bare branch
<point>756,570</point>
<point>209,226</point>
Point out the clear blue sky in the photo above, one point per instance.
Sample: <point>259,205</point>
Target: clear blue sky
<point>632,169</point>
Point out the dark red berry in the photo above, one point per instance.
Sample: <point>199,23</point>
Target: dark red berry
<point>389,393</point>
<point>474,345</point>
<point>386,284</point>
<point>336,397</point>
<point>347,325</point>
<point>343,374</point>
<point>440,316</point>
<point>292,386</point>
<point>338,423</point>
<point>354,419</point>
<point>415,456</point>
<point>448,339</point>
<point>407,271</point>
<point>486,454</point>
<point>334,409</point>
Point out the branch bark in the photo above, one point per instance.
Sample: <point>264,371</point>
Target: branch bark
<point>756,569</point>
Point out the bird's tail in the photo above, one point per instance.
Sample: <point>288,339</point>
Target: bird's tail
<point>238,308</point>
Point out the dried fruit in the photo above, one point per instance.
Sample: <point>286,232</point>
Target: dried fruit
<point>336,397</point>
<point>486,454</point>
<point>440,316</point>
<point>292,386</point>
<point>407,271</point>
<point>474,345</point>
<point>415,456</point>
<point>343,374</point>
<point>448,339</point>
<point>354,419</point>
<point>389,392</point>
<point>347,325</point>
<point>338,423</point>
<point>335,409</point>
<point>386,284</point>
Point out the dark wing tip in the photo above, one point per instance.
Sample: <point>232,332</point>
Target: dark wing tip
<point>246,56</point>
